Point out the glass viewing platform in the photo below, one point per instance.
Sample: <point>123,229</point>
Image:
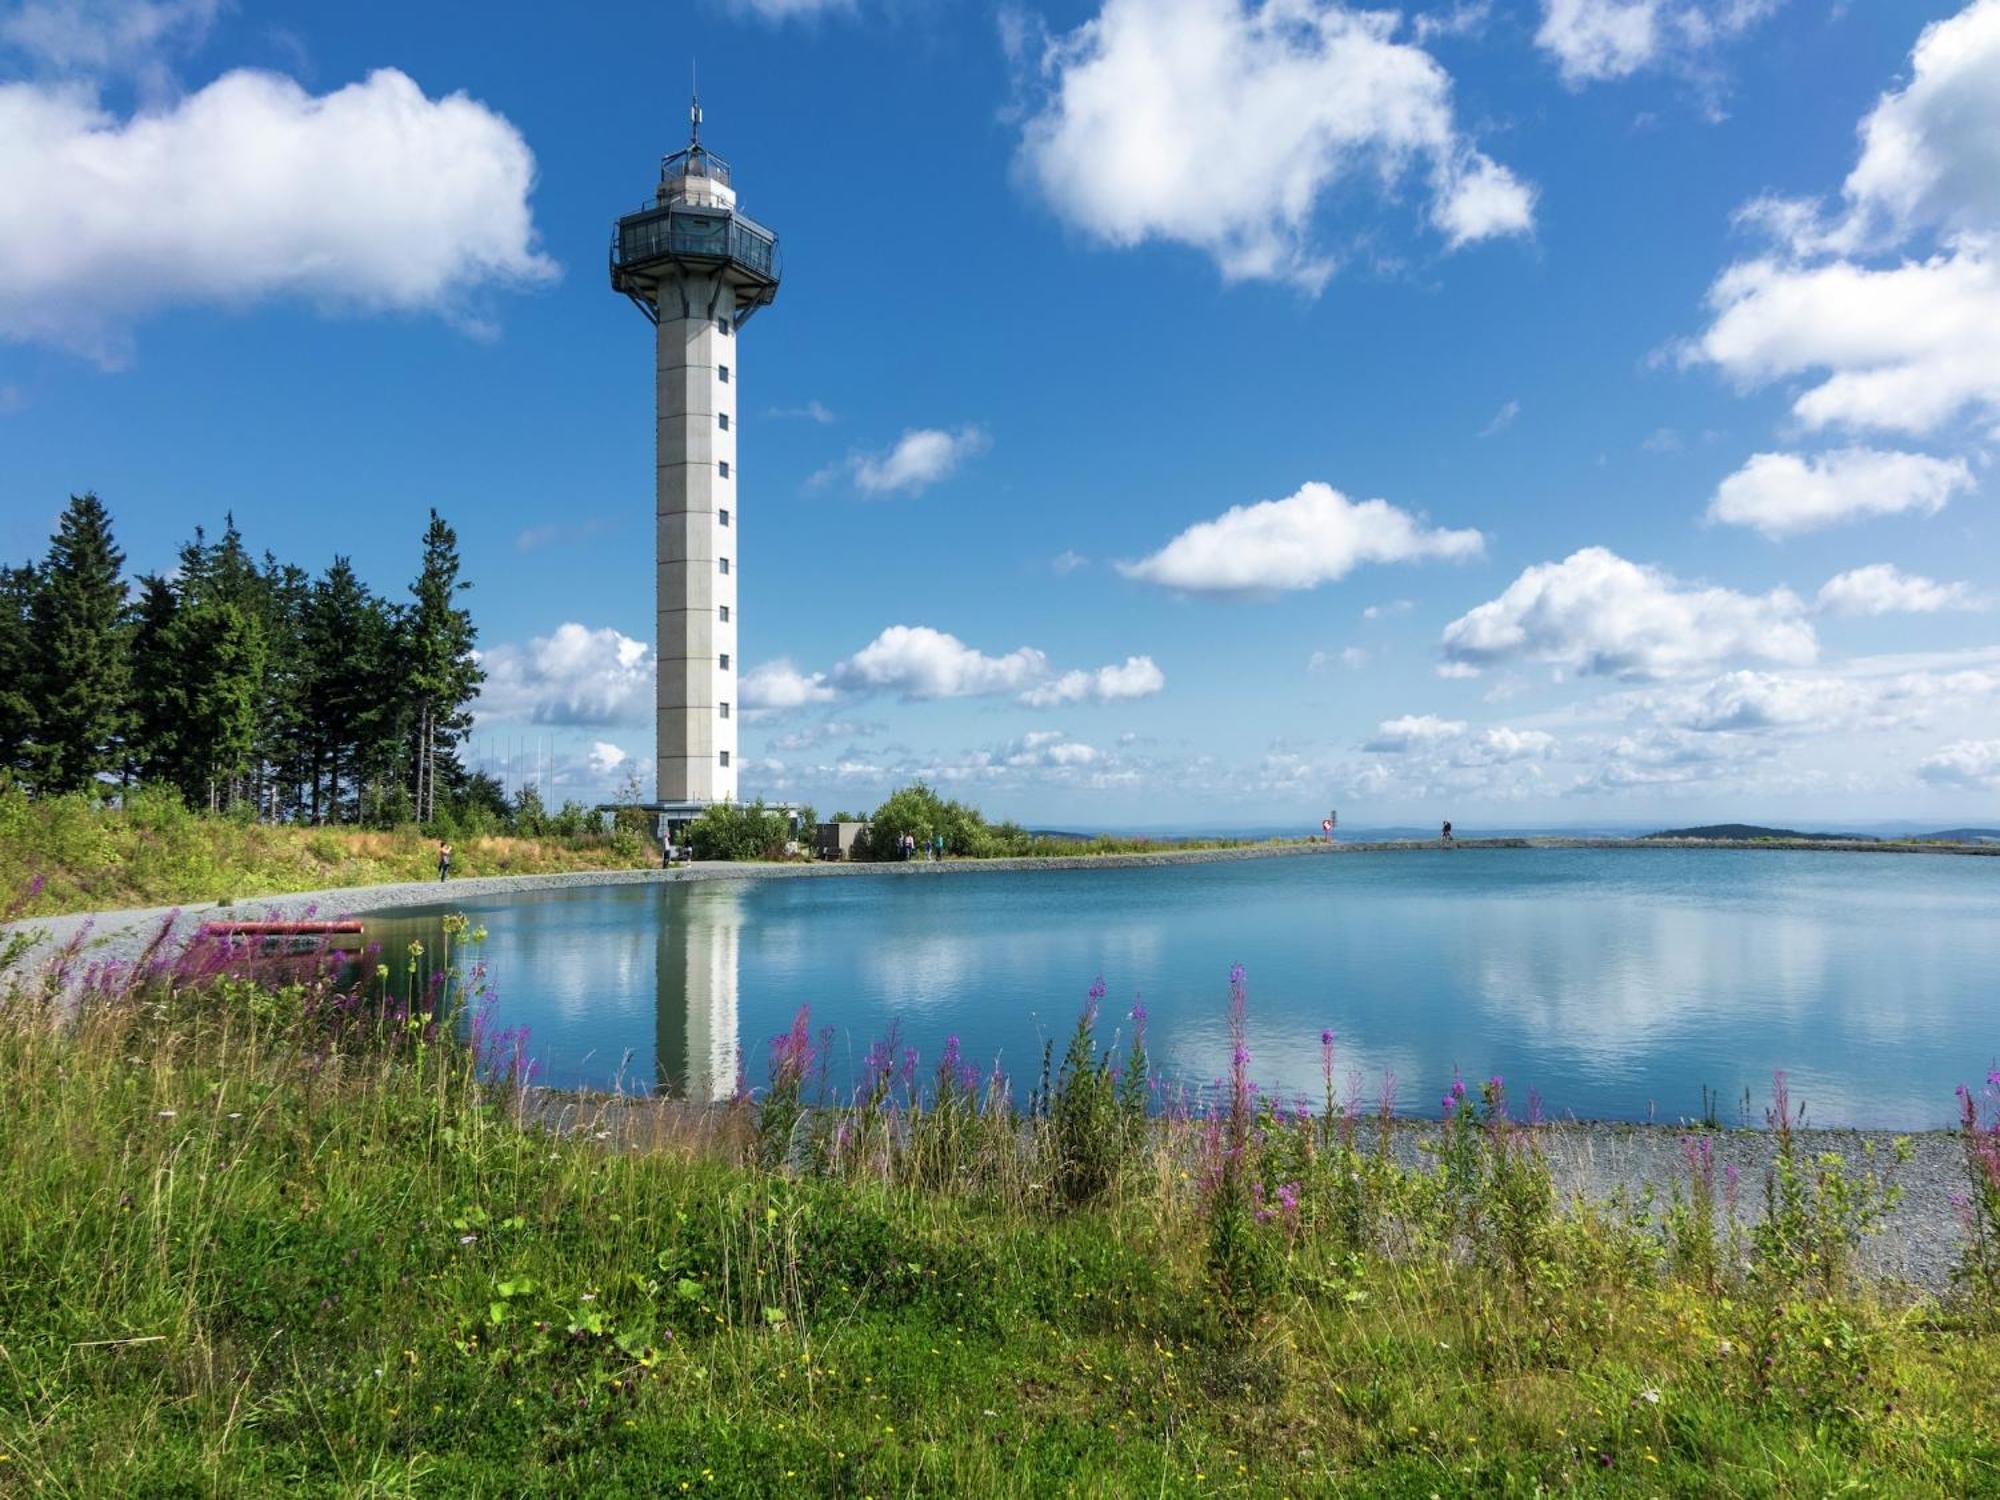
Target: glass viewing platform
<point>679,232</point>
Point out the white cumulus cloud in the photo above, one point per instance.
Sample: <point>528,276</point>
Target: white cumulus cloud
<point>104,36</point>
<point>1504,744</point>
<point>1930,152</point>
<point>1224,124</point>
<point>1747,701</point>
<point>1783,494</point>
<point>1594,40</point>
<point>1964,763</point>
<point>1048,749</point>
<point>574,676</point>
<point>1869,695</point>
<point>1884,588</point>
<point>775,685</point>
<point>604,757</point>
<point>920,662</point>
<point>1596,613</point>
<point>1315,536</point>
<point>371,198</point>
<point>1888,334</point>
<point>1597,39</point>
<point>1137,677</point>
<point>919,459</point>
<point>1411,732</point>
<point>1903,348</point>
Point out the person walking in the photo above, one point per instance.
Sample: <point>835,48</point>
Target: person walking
<point>444,860</point>
<point>1445,837</point>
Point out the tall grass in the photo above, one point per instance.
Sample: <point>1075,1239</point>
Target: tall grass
<point>266,1226</point>
<point>72,853</point>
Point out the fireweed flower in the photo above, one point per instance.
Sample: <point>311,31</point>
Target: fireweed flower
<point>792,1050</point>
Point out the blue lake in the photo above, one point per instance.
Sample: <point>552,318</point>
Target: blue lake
<point>1617,983</point>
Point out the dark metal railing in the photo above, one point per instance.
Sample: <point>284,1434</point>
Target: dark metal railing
<point>704,236</point>
<point>695,161</point>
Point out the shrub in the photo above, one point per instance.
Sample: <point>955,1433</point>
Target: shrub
<point>1086,1139</point>
<point>1693,1231</point>
<point>923,814</point>
<point>739,831</point>
<point>1816,1213</point>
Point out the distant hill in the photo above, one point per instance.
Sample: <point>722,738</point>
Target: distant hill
<point>1744,832</point>
<point>1961,836</point>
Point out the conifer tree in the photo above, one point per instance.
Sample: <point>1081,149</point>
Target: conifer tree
<point>442,672</point>
<point>221,647</point>
<point>283,752</point>
<point>79,667</point>
<point>17,714</point>
<point>152,722</point>
<point>348,645</point>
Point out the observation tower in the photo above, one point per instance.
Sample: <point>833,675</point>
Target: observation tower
<point>697,268</point>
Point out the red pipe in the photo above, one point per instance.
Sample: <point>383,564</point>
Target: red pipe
<point>277,929</point>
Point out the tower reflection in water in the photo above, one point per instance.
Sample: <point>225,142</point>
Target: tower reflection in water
<point>700,935</point>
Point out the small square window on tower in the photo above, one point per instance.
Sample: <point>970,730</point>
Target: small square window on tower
<point>722,468</point>
<point>725,613</point>
<point>723,418</point>
<point>723,372</point>
<point>724,754</point>
<point>722,325</point>
<point>724,563</point>
<point>722,517</point>
<point>725,661</point>
<point>725,710</point>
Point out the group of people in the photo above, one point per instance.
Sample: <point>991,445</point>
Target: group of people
<point>911,847</point>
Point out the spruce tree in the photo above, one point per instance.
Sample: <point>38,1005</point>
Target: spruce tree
<point>283,741</point>
<point>442,671</point>
<point>348,645</point>
<point>17,714</point>
<point>222,648</point>
<point>79,667</point>
<point>153,744</point>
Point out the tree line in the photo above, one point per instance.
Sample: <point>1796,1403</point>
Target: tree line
<point>248,684</point>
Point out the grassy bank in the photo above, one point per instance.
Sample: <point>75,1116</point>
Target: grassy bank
<point>260,1235</point>
<point>66,854</point>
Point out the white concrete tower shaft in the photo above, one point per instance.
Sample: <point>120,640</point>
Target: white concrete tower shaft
<point>698,523</point>
<point>698,268</point>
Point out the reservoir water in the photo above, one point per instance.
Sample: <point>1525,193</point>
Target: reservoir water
<point>1616,983</point>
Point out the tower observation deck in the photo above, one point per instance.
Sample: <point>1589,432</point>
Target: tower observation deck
<point>697,268</point>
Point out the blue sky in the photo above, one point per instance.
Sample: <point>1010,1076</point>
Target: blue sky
<point>1175,411</point>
